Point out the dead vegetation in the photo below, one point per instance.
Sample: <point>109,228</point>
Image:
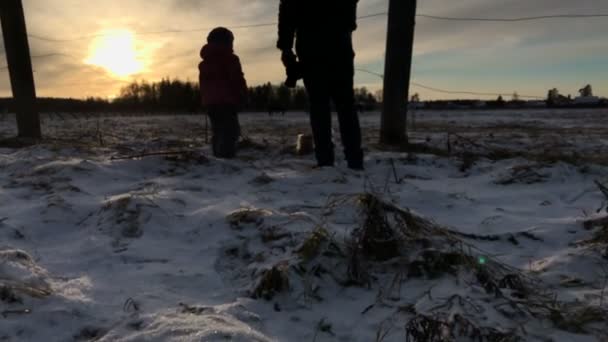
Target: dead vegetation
<point>89,334</point>
<point>457,328</point>
<point>8,295</point>
<point>599,240</point>
<point>271,283</point>
<point>434,252</point>
<point>124,217</point>
<point>311,247</point>
<point>524,174</point>
<point>600,236</point>
<point>262,179</point>
<point>376,238</point>
<point>247,216</point>
<point>21,277</point>
<point>397,246</point>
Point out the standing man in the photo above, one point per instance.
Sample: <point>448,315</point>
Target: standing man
<point>324,58</point>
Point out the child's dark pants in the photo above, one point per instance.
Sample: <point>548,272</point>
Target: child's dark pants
<point>226,131</point>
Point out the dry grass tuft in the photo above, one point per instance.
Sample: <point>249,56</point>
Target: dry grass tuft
<point>423,328</point>
<point>272,282</point>
<point>311,247</point>
<point>247,216</point>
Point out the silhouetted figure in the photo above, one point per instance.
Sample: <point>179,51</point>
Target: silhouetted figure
<point>223,90</point>
<point>322,31</point>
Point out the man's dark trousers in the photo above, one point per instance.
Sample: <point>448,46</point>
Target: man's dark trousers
<point>326,80</point>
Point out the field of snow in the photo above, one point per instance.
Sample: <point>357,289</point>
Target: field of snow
<point>127,229</point>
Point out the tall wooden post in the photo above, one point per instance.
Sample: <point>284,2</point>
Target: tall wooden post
<point>20,68</point>
<point>397,71</point>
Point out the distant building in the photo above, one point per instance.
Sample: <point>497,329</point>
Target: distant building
<point>586,97</point>
<point>587,101</point>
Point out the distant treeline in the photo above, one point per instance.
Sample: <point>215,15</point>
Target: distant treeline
<point>181,96</point>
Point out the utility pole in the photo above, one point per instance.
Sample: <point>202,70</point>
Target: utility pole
<point>20,68</point>
<point>397,71</point>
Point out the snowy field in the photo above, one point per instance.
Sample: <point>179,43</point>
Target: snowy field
<point>127,229</point>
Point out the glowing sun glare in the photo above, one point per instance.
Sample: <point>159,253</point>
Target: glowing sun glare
<point>115,52</point>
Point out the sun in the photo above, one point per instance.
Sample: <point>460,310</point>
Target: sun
<point>114,50</point>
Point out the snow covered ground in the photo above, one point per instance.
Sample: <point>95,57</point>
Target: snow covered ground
<point>98,244</point>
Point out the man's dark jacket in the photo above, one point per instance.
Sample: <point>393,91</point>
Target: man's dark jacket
<point>321,28</point>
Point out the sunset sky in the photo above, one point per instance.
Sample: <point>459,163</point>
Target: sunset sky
<point>103,44</point>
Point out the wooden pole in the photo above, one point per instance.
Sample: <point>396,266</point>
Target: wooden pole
<point>20,68</point>
<point>397,71</point>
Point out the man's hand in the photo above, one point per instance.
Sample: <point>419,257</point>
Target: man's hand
<point>288,58</point>
<point>292,67</point>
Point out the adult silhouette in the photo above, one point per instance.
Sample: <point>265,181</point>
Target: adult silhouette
<point>324,58</point>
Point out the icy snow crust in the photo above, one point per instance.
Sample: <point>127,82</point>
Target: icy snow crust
<point>97,246</point>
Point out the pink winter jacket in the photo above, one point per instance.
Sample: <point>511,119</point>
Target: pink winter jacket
<point>221,77</point>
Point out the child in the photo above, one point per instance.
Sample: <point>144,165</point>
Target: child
<point>223,90</point>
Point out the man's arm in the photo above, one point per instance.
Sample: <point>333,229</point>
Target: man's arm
<point>287,25</point>
<point>352,11</point>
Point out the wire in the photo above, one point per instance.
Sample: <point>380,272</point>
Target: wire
<point>416,84</point>
<point>142,33</point>
<point>454,92</point>
<point>370,72</point>
<point>51,55</point>
<point>67,85</point>
<point>174,31</point>
<point>56,40</point>
<point>511,20</point>
<point>373,15</point>
<point>419,85</point>
<point>5,67</point>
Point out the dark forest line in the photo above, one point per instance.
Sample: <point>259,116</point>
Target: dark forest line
<point>181,96</point>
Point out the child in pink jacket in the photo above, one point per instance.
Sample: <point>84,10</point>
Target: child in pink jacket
<point>223,90</point>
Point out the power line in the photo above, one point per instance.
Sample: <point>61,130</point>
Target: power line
<point>370,72</point>
<point>453,92</point>
<point>51,55</point>
<point>510,20</point>
<point>175,31</point>
<point>57,40</point>
<point>416,84</point>
<point>373,15</point>
<point>74,84</point>
<point>142,33</point>
<point>4,68</point>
